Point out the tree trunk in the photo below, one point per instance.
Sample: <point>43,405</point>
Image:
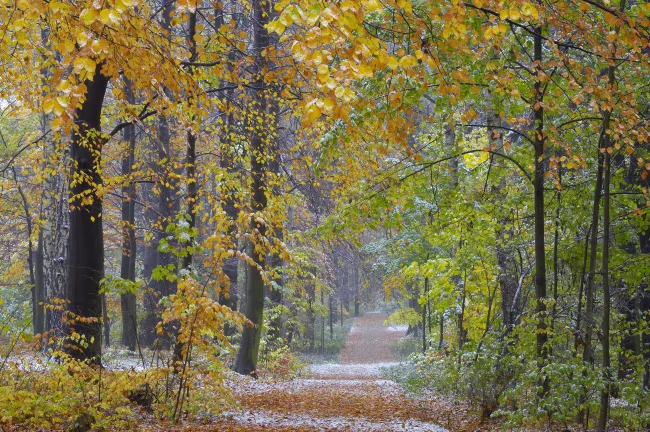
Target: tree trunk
<point>322,325</point>
<point>248,352</point>
<point>275,261</point>
<point>129,251</point>
<point>604,397</point>
<point>86,244</point>
<point>538,189</point>
<point>39,285</point>
<point>53,238</point>
<point>229,296</point>
<point>605,327</point>
<point>190,155</point>
<point>167,208</point>
<point>511,305</point>
<point>331,318</point>
<point>53,235</point>
<point>150,298</point>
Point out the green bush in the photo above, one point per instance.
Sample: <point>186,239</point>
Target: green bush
<point>481,379</point>
<point>407,346</point>
<point>334,343</point>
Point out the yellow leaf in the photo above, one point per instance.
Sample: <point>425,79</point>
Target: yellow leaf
<point>107,16</point>
<point>313,112</point>
<point>276,26</point>
<point>392,62</point>
<point>372,5</point>
<point>514,13</point>
<point>57,6</point>
<point>364,71</point>
<point>88,16</point>
<point>406,5</point>
<point>529,10</point>
<point>407,61</point>
<point>82,39</point>
<point>323,73</point>
<point>328,104</point>
<point>503,14</point>
<point>48,106</point>
<point>84,64</point>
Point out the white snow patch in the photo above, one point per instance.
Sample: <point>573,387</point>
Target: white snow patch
<point>352,370</point>
<point>267,419</point>
<point>402,328</point>
<point>123,363</point>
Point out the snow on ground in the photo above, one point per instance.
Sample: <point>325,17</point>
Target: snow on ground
<point>362,370</point>
<point>350,396</point>
<point>123,361</point>
<point>401,328</point>
<point>295,421</point>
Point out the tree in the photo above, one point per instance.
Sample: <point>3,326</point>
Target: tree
<point>259,153</point>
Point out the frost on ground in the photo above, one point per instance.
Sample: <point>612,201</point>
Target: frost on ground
<point>349,396</point>
<point>358,371</point>
<point>296,422</point>
<point>399,328</point>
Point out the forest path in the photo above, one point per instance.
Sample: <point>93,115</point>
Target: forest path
<point>348,396</point>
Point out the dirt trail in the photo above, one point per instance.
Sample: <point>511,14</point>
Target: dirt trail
<point>348,396</point>
<point>370,341</point>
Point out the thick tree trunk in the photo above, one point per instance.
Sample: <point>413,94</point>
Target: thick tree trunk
<point>248,351</point>
<point>229,295</point>
<point>53,235</point>
<point>168,207</point>
<point>53,238</point>
<point>129,250</point>
<point>86,244</point>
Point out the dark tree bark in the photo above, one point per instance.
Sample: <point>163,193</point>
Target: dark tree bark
<point>51,257</point>
<point>190,156</point>
<point>147,331</point>
<point>86,244</point>
<point>229,296</point>
<point>604,397</point>
<point>538,190</point>
<point>129,250</point>
<point>168,207</point>
<point>249,348</point>
<point>607,300</point>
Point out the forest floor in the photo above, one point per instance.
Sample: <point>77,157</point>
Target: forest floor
<point>348,396</point>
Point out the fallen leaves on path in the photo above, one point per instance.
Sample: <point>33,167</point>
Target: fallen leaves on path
<point>349,396</point>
